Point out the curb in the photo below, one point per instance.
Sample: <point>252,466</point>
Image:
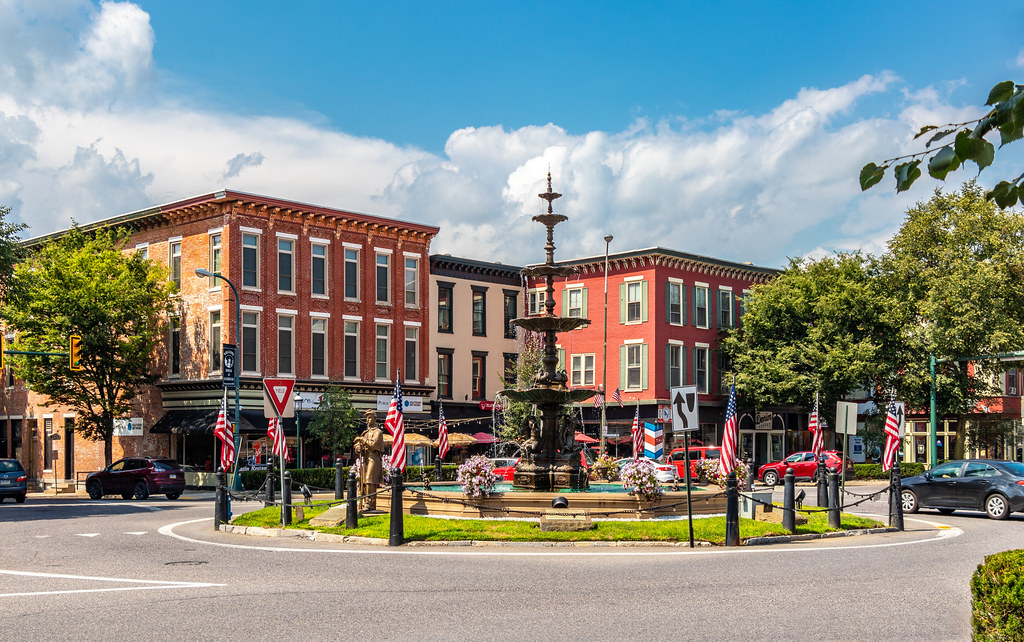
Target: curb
<point>782,539</point>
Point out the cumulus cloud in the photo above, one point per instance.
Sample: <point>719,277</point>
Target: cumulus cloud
<point>82,136</point>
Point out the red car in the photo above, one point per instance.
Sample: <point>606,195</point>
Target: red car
<point>678,458</point>
<point>137,477</point>
<point>508,472</point>
<point>803,465</point>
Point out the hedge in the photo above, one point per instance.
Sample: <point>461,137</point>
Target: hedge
<point>997,588</point>
<point>323,478</point>
<point>874,471</point>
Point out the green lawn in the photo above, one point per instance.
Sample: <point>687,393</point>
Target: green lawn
<point>419,528</point>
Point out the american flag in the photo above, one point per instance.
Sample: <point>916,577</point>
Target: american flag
<point>396,426</point>
<point>892,434</point>
<point>598,400</point>
<point>818,442</point>
<point>275,430</point>
<point>442,432</point>
<point>617,397</point>
<point>638,435</point>
<point>727,463</point>
<point>224,433</point>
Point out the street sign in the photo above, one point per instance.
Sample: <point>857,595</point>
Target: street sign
<point>901,415</point>
<point>846,418</point>
<point>277,398</point>
<point>228,365</point>
<point>684,408</point>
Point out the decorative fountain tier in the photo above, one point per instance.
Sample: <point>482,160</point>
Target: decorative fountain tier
<point>551,454</point>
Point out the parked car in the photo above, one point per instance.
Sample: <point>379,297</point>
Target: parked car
<point>678,458</point>
<point>804,467</point>
<point>994,486</point>
<point>13,480</point>
<point>664,472</point>
<point>137,477</point>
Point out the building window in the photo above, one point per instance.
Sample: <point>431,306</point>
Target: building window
<point>351,273</point>
<point>318,349</point>
<point>700,306</point>
<point>285,265</point>
<point>444,373</point>
<point>175,262</point>
<point>215,343</point>
<point>250,342</point>
<point>383,277</point>
<point>412,279</point>
<point>575,306</point>
<point>511,312</point>
<point>1011,382</point>
<point>582,370</point>
<point>702,369</point>
<point>633,302</point>
<point>479,311</point>
<point>412,343</point>
<point>318,259</point>
<point>174,348</point>
<point>674,365</point>
<point>479,375</point>
<point>674,303</point>
<point>445,295</point>
<point>48,443</point>
<point>215,257</point>
<point>381,351</point>
<point>725,319</point>
<point>251,260</point>
<point>536,300</point>
<point>634,366</point>
<point>351,349</point>
<point>285,344</point>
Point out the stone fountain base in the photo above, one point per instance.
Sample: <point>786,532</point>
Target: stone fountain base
<point>551,475</point>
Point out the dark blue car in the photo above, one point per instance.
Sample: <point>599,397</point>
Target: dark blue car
<point>13,480</point>
<point>991,485</point>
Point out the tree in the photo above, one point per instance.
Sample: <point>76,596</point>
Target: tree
<point>1006,117</point>
<point>335,420</point>
<point>10,250</point>
<point>515,413</point>
<point>116,300</point>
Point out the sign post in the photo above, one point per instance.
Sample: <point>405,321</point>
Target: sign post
<point>685,419</point>
<point>846,423</point>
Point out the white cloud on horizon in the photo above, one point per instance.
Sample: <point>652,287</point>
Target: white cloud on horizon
<point>737,186</point>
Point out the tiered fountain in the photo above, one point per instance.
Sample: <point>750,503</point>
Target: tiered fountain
<point>551,457</point>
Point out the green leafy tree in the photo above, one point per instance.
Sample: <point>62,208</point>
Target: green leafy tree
<point>515,413</point>
<point>965,142</point>
<point>115,299</point>
<point>335,420</point>
<point>10,250</point>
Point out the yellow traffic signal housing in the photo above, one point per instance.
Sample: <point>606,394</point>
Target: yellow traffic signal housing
<point>76,353</point>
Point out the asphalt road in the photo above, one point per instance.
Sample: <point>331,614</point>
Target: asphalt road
<point>116,569</point>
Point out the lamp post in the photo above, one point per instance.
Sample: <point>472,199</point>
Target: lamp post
<point>604,357</point>
<point>298,427</point>
<point>236,482</point>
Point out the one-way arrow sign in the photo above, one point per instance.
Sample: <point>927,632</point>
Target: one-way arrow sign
<point>684,409</point>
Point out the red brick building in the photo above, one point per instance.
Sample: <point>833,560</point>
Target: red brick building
<point>326,296</point>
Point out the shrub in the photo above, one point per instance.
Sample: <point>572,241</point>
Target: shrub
<point>605,468</point>
<point>476,476</point>
<point>874,471</point>
<point>709,472</point>
<point>638,477</point>
<point>997,589</point>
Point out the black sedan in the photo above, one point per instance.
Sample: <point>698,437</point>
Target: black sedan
<point>996,487</point>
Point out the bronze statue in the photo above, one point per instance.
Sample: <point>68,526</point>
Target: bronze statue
<point>370,446</point>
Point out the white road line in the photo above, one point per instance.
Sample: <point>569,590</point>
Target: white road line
<point>87,534</point>
<point>944,532</point>
<point>139,585</point>
<point>135,532</point>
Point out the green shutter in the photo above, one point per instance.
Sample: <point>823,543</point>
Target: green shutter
<point>711,308</point>
<point>622,303</point>
<point>693,293</point>
<point>682,305</point>
<point>584,295</point>
<point>668,299</point>
<point>668,367</point>
<point>561,359</point>
<point>564,312</point>
<point>622,367</point>
<point>682,364</point>
<point>643,366</point>
<point>643,301</point>
<point>695,365</point>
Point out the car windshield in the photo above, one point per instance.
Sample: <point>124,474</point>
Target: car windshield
<point>9,466</point>
<point>1014,468</point>
<point>166,464</point>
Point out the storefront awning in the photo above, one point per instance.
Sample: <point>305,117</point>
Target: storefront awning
<point>203,422</point>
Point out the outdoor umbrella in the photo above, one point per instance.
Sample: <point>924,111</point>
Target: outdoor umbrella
<point>586,439</point>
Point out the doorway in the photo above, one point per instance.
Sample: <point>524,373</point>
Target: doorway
<point>762,446</point>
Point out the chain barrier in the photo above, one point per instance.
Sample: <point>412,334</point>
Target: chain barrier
<point>816,509</point>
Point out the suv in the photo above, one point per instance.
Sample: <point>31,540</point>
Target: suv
<point>137,477</point>
<point>678,458</point>
<point>804,466</point>
<point>13,480</point>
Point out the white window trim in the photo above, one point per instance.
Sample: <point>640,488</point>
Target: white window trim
<point>286,311</point>
<point>215,230</point>
<point>629,279</point>
<point>259,257</point>
<point>174,239</point>
<point>250,230</point>
<point>415,324</point>
<point>383,250</point>
<point>277,341</point>
<point>708,306</point>
<point>412,255</point>
<point>321,315</point>
<point>214,308</point>
<point>630,342</point>
<point>351,246</point>
<point>676,342</point>
<point>672,279</point>
<point>701,285</point>
<point>325,243</point>
<point>250,308</point>
<point>574,286</point>
<point>327,351</point>
<point>727,288</point>
<point>344,337</point>
<point>313,240</point>
<point>142,246</point>
<point>286,236</point>
<point>700,344</point>
<point>384,321</point>
<point>295,263</point>
<point>349,317</point>
<point>639,366</point>
<point>682,298</point>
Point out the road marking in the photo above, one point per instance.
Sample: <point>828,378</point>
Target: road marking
<point>947,533</point>
<point>135,532</point>
<point>87,534</point>
<point>138,585</point>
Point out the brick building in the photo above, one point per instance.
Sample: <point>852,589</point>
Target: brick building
<point>326,296</point>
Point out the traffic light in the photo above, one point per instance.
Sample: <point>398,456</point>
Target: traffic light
<point>76,352</point>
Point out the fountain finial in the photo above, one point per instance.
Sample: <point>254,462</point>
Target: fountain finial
<point>549,196</point>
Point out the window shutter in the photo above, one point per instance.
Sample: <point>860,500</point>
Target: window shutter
<point>695,365</point>
<point>711,309</point>
<point>668,299</point>
<point>622,367</point>
<point>622,303</point>
<point>643,366</point>
<point>561,359</point>
<point>682,365</point>
<point>643,301</point>
<point>565,304</point>
<point>584,295</point>
<point>682,305</point>
<point>693,294</point>
<point>668,367</point>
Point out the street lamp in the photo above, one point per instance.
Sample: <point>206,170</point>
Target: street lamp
<point>298,427</point>
<point>200,272</point>
<point>604,357</point>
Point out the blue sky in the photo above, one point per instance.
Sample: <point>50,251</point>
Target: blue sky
<point>731,129</point>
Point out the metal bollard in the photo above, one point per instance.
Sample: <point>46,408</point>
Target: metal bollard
<point>269,501</point>
<point>896,497</point>
<point>219,505</point>
<point>286,499</point>
<point>833,499</point>
<point>822,485</point>
<point>732,511</point>
<point>339,480</point>
<point>397,535</point>
<point>789,501</point>
<point>437,469</point>
<point>352,509</point>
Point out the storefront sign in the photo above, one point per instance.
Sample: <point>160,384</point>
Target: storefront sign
<point>128,427</point>
<point>763,421</point>
<point>409,404</point>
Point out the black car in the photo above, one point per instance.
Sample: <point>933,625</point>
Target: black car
<point>13,480</point>
<point>137,477</point>
<point>994,486</point>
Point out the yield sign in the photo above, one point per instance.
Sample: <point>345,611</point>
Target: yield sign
<point>279,392</point>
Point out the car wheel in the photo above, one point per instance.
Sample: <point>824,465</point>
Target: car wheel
<point>909,498</point>
<point>141,490</point>
<point>771,478</point>
<point>94,490</point>
<point>174,495</point>
<point>20,498</point>
<point>946,511</point>
<point>997,506</point>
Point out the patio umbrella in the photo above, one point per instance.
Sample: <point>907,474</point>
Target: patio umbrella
<point>458,440</point>
<point>484,438</point>
<point>411,439</point>
<point>586,439</point>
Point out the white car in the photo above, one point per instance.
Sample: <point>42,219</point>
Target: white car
<point>663,472</point>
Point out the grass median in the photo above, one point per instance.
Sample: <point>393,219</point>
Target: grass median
<point>433,529</point>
